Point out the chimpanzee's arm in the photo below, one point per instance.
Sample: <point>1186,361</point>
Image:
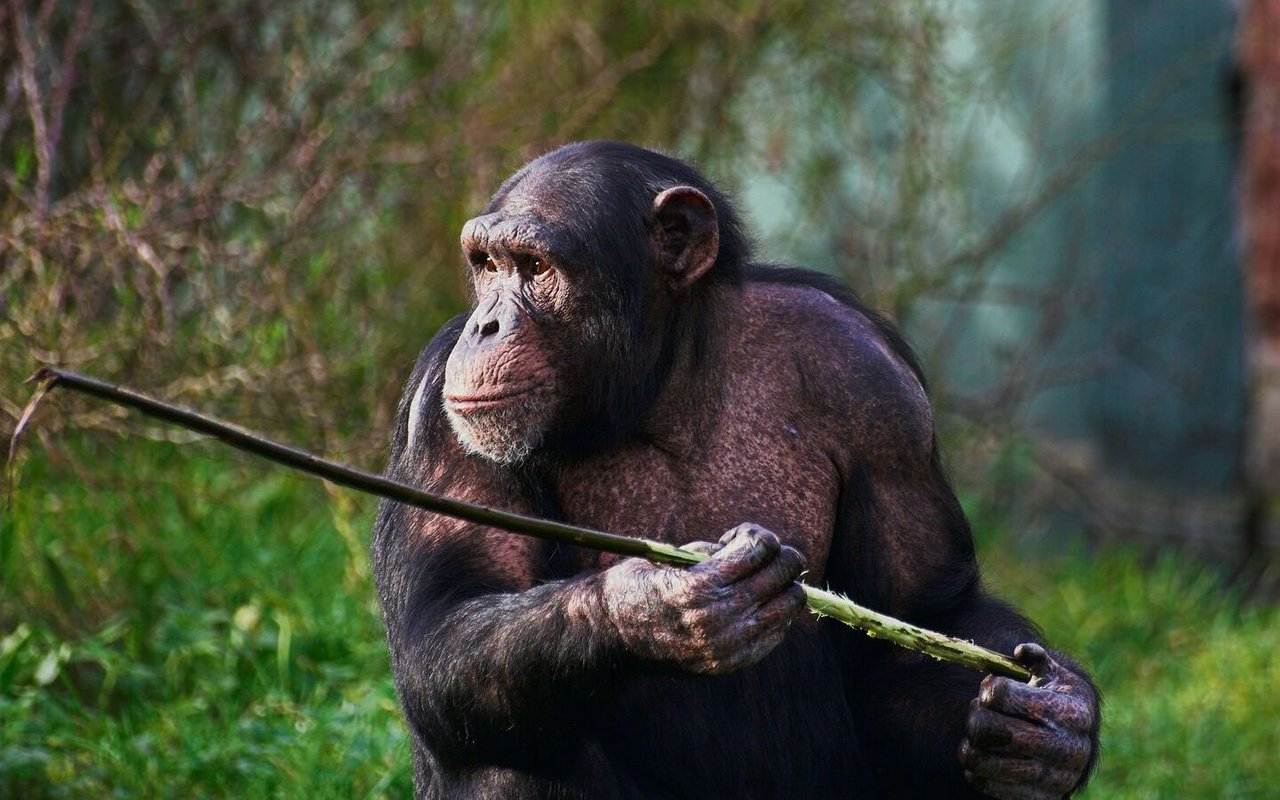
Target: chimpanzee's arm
<point>476,646</point>
<point>479,660</point>
<point>902,545</point>
<point>942,730</point>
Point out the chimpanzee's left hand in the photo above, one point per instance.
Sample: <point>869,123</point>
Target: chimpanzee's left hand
<point>1030,741</point>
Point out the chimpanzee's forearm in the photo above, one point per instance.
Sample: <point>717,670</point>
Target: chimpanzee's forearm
<point>915,708</point>
<point>918,711</point>
<point>482,674</point>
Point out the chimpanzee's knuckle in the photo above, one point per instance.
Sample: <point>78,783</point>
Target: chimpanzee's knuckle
<point>752,626</point>
<point>753,651</point>
<point>767,539</point>
<point>775,638</point>
<point>697,662</point>
<point>623,572</point>
<point>793,560</point>
<point>1077,712</point>
<point>989,729</point>
<point>1067,682</point>
<point>634,583</point>
<point>1069,712</point>
<point>679,586</point>
<point>713,654</point>
<point>714,625</point>
<point>999,789</point>
<point>715,666</point>
<point>705,575</point>
<point>1057,673</point>
<point>777,615</point>
<point>742,529</point>
<point>992,691</point>
<point>1059,780</point>
<point>720,569</point>
<point>1057,682</point>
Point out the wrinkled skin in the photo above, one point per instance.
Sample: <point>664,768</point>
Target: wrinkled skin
<point>1030,741</point>
<point>626,368</point>
<point>501,356</point>
<point>724,614</point>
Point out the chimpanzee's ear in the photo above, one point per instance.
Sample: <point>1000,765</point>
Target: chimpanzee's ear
<point>686,233</point>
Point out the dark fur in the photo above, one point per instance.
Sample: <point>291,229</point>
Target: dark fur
<point>504,698</point>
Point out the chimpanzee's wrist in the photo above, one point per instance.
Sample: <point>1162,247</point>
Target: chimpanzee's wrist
<point>587,612</point>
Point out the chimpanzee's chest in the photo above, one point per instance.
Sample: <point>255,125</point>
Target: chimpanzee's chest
<point>774,475</point>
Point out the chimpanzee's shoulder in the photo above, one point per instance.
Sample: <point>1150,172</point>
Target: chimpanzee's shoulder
<point>849,361</point>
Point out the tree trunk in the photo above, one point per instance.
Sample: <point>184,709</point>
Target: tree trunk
<point>1259,50</point>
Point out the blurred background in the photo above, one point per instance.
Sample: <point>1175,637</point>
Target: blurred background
<point>1071,206</point>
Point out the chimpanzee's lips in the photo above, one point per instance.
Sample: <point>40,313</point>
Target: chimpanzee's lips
<point>481,401</point>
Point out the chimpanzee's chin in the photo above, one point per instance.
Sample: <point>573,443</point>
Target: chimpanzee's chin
<point>508,435</point>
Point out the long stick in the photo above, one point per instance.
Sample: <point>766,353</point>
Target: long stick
<point>821,602</point>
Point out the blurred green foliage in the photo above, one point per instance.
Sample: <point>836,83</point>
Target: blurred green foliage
<point>172,631</point>
<point>256,206</point>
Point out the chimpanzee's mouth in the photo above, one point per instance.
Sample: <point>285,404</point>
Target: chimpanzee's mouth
<point>481,401</point>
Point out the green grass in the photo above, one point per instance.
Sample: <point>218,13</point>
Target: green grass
<point>178,621</point>
<point>1190,675</point>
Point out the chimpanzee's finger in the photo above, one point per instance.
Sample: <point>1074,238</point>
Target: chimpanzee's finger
<point>766,629</point>
<point>1012,769</point>
<point>996,733</point>
<point>1036,704</point>
<point>743,529</point>
<point>745,550</point>
<point>775,576</point>
<point>782,609</point>
<point>1034,657</point>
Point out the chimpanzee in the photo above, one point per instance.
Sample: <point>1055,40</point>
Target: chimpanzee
<point>628,367</point>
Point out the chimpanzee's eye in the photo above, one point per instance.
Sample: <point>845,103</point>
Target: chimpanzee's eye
<point>489,264</point>
<point>537,266</point>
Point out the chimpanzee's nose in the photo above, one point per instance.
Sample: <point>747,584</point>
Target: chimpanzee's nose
<point>484,321</point>
<point>491,318</point>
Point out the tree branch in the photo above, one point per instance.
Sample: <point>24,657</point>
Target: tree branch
<point>821,602</point>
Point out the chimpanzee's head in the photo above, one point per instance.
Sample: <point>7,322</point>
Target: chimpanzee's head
<point>586,269</point>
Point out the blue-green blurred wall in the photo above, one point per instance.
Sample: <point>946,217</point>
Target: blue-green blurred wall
<point>1169,403</point>
<point>1135,321</point>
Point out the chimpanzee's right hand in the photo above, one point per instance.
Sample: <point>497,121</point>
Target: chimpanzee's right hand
<point>723,614</point>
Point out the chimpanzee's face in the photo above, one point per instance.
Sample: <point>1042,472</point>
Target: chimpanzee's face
<point>573,268</point>
<point>505,379</point>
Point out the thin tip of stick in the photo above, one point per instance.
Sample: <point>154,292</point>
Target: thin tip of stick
<point>44,378</point>
<point>44,375</point>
